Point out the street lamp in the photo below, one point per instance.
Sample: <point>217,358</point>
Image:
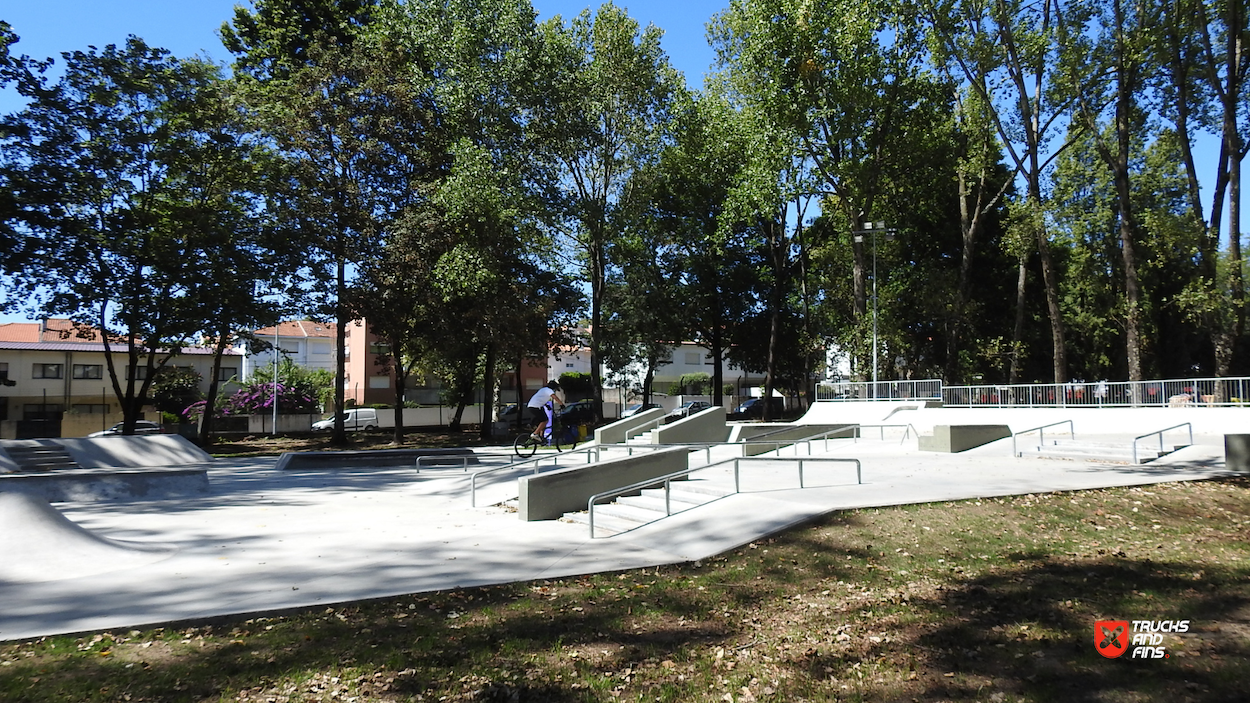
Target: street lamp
<point>873,228</point>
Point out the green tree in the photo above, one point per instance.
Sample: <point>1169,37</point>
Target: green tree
<point>95,164</point>
<point>613,96</point>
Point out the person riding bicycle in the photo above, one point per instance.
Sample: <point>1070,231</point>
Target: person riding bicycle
<point>546,394</point>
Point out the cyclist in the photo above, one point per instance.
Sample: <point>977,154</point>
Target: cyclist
<point>538,415</point>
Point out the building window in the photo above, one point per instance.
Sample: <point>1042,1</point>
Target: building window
<point>88,371</point>
<point>226,373</point>
<point>4,371</point>
<point>568,366</point>
<point>48,371</point>
<point>319,349</point>
<point>380,348</point>
<point>692,358</point>
<point>379,381</point>
<point>42,411</point>
<point>138,373</point>
<point>89,408</point>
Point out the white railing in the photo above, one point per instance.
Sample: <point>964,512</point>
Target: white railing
<point>927,389</point>
<point>1194,392</point>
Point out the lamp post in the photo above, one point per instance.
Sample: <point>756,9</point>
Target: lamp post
<point>273,430</point>
<point>872,228</point>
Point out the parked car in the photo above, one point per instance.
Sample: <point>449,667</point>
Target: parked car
<point>141,427</point>
<point>686,410</point>
<point>637,408</point>
<point>358,419</point>
<point>753,409</point>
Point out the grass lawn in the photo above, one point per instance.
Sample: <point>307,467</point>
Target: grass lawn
<point>986,600</point>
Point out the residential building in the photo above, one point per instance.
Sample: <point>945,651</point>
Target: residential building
<point>305,342</point>
<point>50,368</point>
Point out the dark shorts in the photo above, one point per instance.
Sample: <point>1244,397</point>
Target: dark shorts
<point>537,415</point>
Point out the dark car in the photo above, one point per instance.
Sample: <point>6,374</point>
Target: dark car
<point>753,409</point>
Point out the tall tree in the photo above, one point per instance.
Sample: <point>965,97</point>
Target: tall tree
<point>1007,51</point>
<point>613,96</point>
<point>97,165</point>
<point>352,135</point>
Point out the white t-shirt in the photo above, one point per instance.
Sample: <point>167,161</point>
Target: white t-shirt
<point>541,397</point>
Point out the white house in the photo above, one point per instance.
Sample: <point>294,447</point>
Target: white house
<point>306,343</point>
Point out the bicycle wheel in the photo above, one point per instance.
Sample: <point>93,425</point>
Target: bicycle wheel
<point>524,445</point>
<point>556,431</point>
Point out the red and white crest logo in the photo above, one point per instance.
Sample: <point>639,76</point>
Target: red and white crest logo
<point>1111,637</point>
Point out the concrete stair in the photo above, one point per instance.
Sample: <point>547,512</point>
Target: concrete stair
<point>41,458</point>
<point>629,512</point>
<point>1116,452</point>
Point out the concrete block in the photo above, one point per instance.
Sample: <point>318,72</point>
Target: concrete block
<point>706,426</point>
<point>549,495</point>
<point>164,450</point>
<point>1237,452</point>
<point>97,485</point>
<point>958,438</point>
<point>621,430</point>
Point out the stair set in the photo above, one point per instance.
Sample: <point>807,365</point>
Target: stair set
<point>41,458</point>
<point>629,512</point>
<point>1112,452</point>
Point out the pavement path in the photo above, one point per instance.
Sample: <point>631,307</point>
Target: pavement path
<point>265,540</point>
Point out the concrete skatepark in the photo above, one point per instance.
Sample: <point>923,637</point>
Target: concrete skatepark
<point>253,537</point>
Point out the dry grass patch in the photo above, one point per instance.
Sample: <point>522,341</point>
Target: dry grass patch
<point>985,600</point>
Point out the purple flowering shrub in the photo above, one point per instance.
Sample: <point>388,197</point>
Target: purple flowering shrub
<point>257,399</point>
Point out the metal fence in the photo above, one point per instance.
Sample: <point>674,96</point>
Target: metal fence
<point>927,389</point>
<point>1193,392</point>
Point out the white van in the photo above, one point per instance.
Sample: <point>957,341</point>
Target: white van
<point>353,419</point>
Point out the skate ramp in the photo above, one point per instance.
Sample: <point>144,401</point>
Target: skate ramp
<point>38,543</point>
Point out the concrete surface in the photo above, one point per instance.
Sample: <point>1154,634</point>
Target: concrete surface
<point>264,539</point>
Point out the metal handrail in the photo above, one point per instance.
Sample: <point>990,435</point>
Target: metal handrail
<point>906,434</point>
<point>534,460</point>
<point>667,480</point>
<point>1041,431</point>
<point>437,460</point>
<point>1160,433</point>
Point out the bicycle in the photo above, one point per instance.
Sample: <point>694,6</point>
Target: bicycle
<point>554,435</point>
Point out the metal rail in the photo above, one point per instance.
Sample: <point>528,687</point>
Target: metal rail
<point>444,460</point>
<point>667,480</point>
<point>1160,433</point>
<point>1041,431</point>
<point>536,461</point>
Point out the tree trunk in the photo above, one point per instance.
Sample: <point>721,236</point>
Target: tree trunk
<point>487,429</point>
<point>338,436</point>
<point>210,402</point>
<point>1017,334</point>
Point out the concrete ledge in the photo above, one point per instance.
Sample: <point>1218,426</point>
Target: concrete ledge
<point>121,452</point>
<point>622,429</point>
<point>380,458</point>
<point>1237,452</point>
<point>958,438</point>
<point>705,426</point>
<point>781,432</point>
<point>74,485</point>
<point>551,494</point>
